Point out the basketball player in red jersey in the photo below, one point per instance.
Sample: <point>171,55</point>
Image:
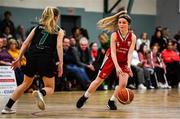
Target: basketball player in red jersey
<point>118,56</point>
<point>42,42</point>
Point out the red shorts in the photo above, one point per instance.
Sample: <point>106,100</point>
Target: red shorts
<point>108,66</point>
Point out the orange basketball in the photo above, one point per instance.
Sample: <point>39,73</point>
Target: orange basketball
<point>125,95</point>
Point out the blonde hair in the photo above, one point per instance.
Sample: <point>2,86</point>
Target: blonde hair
<point>11,41</point>
<point>48,19</point>
<point>111,23</point>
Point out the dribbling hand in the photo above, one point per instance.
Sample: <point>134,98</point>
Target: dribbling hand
<point>16,64</point>
<point>118,71</point>
<point>130,72</point>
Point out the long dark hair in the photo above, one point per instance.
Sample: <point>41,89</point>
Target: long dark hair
<point>141,49</point>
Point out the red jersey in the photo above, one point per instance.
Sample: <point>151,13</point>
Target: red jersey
<point>122,46</point>
<point>122,49</point>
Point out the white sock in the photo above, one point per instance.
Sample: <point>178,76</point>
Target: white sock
<point>112,98</point>
<point>87,94</point>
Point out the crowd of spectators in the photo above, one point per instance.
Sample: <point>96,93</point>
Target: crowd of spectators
<point>153,63</point>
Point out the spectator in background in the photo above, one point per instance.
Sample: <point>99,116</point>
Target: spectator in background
<point>7,22</point>
<point>73,42</point>
<point>84,33</point>
<point>137,69</point>
<point>172,61</point>
<point>159,67</point>
<point>143,39</point>
<point>14,52</point>
<point>94,51</point>
<point>165,34</point>
<point>4,43</point>
<point>71,64</point>
<point>85,55</point>
<point>7,33</point>
<point>5,57</point>
<point>20,35</point>
<point>144,58</point>
<point>157,39</point>
<point>76,33</point>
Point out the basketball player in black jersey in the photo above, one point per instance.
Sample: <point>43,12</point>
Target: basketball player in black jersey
<point>42,42</point>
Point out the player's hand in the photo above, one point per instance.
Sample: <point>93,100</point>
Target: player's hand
<point>118,71</point>
<point>130,72</point>
<point>16,64</point>
<point>60,69</point>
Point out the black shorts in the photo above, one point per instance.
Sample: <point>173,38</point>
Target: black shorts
<point>41,65</point>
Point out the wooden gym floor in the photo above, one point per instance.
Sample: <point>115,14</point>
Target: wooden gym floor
<point>149,104</point>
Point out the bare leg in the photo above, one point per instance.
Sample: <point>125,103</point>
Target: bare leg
<point>49,85</point>
<point>21,88</point>
<point>94,85</point>
<point>17,94</point>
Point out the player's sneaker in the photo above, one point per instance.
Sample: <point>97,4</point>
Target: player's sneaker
<point>81,101</point>
<point>111,105</point>
<point>40,101</point>
<point>7,110</point>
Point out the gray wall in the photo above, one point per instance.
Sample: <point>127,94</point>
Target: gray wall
<point>168,15</point>
<point>143,23</point>
<point>28,17</point>
<point>88,19</point>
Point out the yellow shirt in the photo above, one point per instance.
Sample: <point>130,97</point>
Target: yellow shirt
<point>15,54</point>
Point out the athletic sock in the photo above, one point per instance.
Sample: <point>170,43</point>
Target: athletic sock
<point>10,103</point>
<point>87,94</point>
<point>112,98</point>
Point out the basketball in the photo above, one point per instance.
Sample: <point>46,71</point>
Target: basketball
<point>125,95</point>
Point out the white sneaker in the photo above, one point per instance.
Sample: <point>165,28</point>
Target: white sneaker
<point>40,101</point>
<point>161,85</point>
<point>151,87</point>
<point>141,86</point>
<point>179,85</point>
<point>8,111</point>
<point>131,86</point>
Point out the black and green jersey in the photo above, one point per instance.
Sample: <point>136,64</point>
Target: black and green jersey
<point>43,43</point>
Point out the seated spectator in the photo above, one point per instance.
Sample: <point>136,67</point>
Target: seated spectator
<point>5,57</point>
<point>137,69</point>
<point>85,56</point>
<point>172,61</point>
<point>157,39</point>
<point>143,39</point>
<point>94,50</point>
<point>20,35</point>
<point>71,65</point>
<point>6,33</point>
<point>73,42</point>
<point>4,43</point>
<point>159,68</point>
<point>144,58</point>
<point>14,52</point>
